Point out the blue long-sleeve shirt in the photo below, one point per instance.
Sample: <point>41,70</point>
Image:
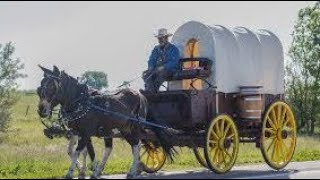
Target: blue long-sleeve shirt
<point>169,56</point>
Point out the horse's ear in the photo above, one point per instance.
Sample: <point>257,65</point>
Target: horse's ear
<point>45,70</point>
<point>63,74</point>
<point>56,71</point>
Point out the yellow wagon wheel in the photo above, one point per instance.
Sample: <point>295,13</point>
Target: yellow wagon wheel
<point>199,153</point>
<point>279,135</point>
<point>222,144</point>
<point>153,158</point>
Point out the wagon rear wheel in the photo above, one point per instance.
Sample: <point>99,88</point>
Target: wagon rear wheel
<point>199,153</point>
<point>222,144</point>
<point>279,134</point>
<point>153,158</point>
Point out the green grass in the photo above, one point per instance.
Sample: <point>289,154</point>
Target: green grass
<point>27,153</point>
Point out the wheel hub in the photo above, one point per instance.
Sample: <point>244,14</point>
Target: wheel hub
<point>282,134</point>
<point>224,143</point>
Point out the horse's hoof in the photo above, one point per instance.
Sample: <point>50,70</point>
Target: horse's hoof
<point>140,169</point>
<point>82,176</point>
<point>94,177</point>
<point>131,176</point>
<point>68,177</point>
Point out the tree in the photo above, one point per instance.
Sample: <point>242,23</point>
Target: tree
<point>303,71</point>
<point>9,73</point>
<point>95,79</point>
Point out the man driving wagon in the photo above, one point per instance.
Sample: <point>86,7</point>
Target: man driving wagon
<point>163,62</point>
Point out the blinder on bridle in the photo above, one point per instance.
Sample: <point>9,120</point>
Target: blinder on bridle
<point>44,90</point>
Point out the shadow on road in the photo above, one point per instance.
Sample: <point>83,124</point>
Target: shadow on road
<point>205,174</point>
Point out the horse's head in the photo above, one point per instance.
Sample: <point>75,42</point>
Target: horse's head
<point>58,88</point>
<point>48,91</point>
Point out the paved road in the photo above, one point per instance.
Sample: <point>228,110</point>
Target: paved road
<point>302,170</point>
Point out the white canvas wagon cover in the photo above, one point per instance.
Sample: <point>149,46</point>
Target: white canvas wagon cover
<point>240,56</point>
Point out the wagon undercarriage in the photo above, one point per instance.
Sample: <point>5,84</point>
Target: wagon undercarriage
<point>215,135</point>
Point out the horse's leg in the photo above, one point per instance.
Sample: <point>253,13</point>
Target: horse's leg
<point>136,167</point>
<point>72,142</point>
<point>82,171</point>
<point>92,154</point>
<point>106,154</point>
<point>81,145</point>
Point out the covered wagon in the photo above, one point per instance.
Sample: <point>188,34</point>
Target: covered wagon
<point>230,89</point>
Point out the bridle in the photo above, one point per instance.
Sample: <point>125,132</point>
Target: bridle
<point>56,82</point>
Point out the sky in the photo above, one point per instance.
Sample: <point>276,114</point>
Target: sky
<point>117,37</point>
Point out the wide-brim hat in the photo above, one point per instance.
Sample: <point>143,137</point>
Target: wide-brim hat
<point>163,33</point>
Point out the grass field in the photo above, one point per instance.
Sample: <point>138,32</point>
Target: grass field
<point>27,153</point>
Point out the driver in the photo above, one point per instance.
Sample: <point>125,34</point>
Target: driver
<point>163,62</point>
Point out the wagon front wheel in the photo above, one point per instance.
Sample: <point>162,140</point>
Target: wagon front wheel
<point>279,134</point>
<point>222,144</point>
<point>153,158</point>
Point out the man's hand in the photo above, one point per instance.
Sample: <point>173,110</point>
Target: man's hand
<point>161,68</point>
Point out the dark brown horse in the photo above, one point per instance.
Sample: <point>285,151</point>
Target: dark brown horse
<point>59,88</point>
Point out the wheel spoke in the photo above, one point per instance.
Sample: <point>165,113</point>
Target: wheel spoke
<point>230,136</point>
<point>227,130</point>
<point>289,131</point>
<point>217,128</point>
<point>274,118</point>
<point>279,113</point>
<point>283,117</point>
<point>285,123</point>
<point>144,153</point>
<point>216,137</point>
<point>216,156</point>
<point>224,158</point>
<point>215,150</point>
<point>148,158</point>
<point>222,128</point>
<point>228,154</point>
<point>213,142</point>
<point>277,151</point>
<point>284,150</point>
<point>220,155</point>
<point>158,158</point>
<point>271,144</point>
<point>271,123</point>
<point>271,131</point>
<point>274,150</point>
<point>152,159</point>
<point>280,151</point>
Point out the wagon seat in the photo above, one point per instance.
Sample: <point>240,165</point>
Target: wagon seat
<point>191,70</point>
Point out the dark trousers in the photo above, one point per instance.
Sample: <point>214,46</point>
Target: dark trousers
<point>154,79</point>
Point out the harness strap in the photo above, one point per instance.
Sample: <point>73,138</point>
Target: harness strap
<point>137,120</point>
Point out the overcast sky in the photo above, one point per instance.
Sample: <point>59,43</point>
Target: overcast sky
<point>117,37</point>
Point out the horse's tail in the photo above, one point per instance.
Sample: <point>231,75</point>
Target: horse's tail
<point>164,137</point>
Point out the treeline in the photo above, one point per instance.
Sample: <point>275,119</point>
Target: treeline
<point>303,70</point>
